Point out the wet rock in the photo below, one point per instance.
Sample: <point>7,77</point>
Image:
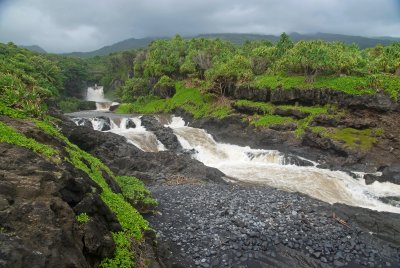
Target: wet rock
<point>114,106</point>
<point>164,134</point>
<point>126,159</point>
<point>130,123</point>
<point>103,123</point>
<point>82,122</point>
<point>392,174</point>
<point>289,159</point>
<point>370,178</point>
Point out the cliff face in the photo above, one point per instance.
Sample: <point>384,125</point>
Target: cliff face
<point>377,102</point>
<point>39,201</point>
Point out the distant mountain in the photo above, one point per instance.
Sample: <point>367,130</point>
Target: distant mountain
<point>120,46</point>
<point>240,38</point>
<point>35,48</point>
<point>395,39</point>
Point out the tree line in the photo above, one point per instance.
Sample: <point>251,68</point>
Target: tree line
<point>220,66</point>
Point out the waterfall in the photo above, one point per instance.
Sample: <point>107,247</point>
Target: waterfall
<point>268,167</point>
<point>96,94</point>
<point>265,167</point>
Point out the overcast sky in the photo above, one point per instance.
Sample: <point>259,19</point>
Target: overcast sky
<point>85,25</point>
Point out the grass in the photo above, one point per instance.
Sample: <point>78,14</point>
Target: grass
<point>263,107</point>
<point>12,136</point>
<point>354,85</point>
<point>352,138</point>
<point>189,99</point>
<point>269,120</point>
<point>13,113</point>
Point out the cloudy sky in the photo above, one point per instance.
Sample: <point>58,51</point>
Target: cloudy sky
<point>84,25</point>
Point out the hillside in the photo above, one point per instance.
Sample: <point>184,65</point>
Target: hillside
<point>127,44</point>
<point>34,48</point>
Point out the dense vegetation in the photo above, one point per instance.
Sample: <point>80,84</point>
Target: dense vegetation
<point>218,67</point>
<point>201,75</point>
<point>28,81</point>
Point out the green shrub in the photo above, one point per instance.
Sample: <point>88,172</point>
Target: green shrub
<point>82,218</point>
<point>135,192</point>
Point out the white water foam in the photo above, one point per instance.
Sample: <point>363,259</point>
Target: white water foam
<point>138,136</point>
<point>266,166</point>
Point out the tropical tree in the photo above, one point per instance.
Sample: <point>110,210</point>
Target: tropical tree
<point>225,76</point>
<point>387,59</point>
<point>133,89</point>
<point>307,57</point>
<point>283,45</point>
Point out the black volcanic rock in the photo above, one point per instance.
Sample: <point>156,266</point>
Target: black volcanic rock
<point>164,134</point>
<point>124,158</point>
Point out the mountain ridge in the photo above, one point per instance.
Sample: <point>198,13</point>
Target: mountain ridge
<point>235,38</point>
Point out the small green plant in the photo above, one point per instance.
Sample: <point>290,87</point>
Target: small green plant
<point>82,218</point>
<point>135,191</point>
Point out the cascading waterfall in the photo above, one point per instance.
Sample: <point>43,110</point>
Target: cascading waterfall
<point>267,167</point>
<point>96,94</point>
<point>138,136</point>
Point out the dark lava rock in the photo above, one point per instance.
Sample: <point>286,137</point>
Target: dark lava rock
<point>350,122</point>
<point>391,200</point>
<point>289,159</point>
<point>291,113</point>
<point>247,109</point>
<point>124,158</point>
<point>114,106</point>
<point>392,174</point>
<point>38,221</point>
<point>284,127</point>
<point>130,123</point>
<point>82,122</point>
<point>104,123</point>
<point>164,134</point>
<point>370,178</point>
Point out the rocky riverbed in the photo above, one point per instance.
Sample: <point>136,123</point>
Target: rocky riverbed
<point>203,221</point>
<point>210,225</point>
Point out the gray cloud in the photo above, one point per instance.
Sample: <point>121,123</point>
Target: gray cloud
<point>76,25</point>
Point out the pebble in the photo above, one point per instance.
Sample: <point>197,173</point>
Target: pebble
<point>217,224</point>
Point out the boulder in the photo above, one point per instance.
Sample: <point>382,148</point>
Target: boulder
<point>164,134</point>
<point>392,174</point>
<point>130,124</point>
<point>102,123</point>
